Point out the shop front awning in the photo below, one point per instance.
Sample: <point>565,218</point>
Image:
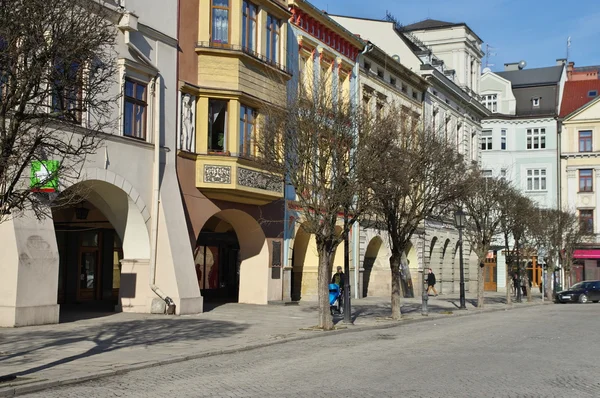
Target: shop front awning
<point>587,254</point>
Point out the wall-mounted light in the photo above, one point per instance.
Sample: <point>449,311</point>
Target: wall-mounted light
<point>81,212</point>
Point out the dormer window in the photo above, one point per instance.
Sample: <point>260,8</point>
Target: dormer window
<point>592,93</point>
<point>491,102</point>
<point>536,102</point>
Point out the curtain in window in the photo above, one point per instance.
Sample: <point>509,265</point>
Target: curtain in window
<point>220,21</point>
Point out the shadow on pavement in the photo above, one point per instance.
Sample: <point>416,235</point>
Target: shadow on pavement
<point>112,336</point>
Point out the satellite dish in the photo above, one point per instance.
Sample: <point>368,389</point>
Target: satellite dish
<point>396,57</point>
<point>486,70</point>
<point>522,64</point>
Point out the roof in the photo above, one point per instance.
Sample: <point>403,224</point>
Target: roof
<point>533,77</point>
<point>586,68</point>
<point>430,24</point>
<point>576,95</point>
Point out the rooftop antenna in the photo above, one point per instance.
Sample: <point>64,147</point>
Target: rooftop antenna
<point>489,53</point>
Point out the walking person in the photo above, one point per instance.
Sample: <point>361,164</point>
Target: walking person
<point>431,282</point>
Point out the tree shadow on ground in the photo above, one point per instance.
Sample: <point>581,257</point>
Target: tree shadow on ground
<point>111,336</point>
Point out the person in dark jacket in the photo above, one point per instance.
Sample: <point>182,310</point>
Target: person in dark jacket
<point>431,282</point>
<point>338,278</point>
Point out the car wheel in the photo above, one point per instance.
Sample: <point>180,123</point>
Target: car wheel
<point>583,298</point>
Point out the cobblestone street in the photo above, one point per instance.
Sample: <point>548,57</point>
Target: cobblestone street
<point>547,351</point>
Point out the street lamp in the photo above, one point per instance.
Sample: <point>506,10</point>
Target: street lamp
<point>460,220</point>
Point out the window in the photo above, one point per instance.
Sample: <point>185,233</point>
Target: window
<point>536,179</point>
<point>503,139</point>
<point>392,81</point>
<point>585,141</point>
<point>586,220</point>
<point>536,102</point>
<point>380,73</point>
<point>491,102</point>
<point>220,22</point>
<point>486,173</point>
<point>273,38</point>
<point>585,180</point>
<point>536,138</point>
<point>404,88</point>
<point>592,93</point>
<point>367,66</point>
<point>415,95</point>
<point>249,25</point>
<point>486,140</point>
<point>217,125</point>
<point>134,118</point>
<point>247,126</point>
<point>67,91</point>
<point>503,174</point>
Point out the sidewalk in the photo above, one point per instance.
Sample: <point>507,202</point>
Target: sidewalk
<point>107,344</point>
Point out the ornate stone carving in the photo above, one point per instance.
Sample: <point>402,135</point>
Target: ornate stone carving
<point>255,179</point>
<point>217,174</point>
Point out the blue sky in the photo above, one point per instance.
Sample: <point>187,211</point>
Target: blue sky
<point>533,30</point>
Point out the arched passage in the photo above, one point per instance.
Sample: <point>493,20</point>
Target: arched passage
<point>232,258</point>
<point>376,272</point>
<point>98,226</point>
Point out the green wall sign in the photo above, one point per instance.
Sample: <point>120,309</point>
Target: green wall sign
<point>44,176</point>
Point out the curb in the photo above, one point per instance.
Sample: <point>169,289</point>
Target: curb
<point>46,384</point>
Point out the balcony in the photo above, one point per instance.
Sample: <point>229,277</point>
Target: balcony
<point>232,48</point>
<point>237,180</point>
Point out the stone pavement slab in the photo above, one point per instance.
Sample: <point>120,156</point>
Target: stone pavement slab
<point>108,344</point>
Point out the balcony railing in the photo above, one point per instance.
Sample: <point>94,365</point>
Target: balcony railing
<point>245,50</point>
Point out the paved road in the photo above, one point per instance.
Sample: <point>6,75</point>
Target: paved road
<point>549,351</point>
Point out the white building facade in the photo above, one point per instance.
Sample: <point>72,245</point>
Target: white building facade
<point>124,246</point>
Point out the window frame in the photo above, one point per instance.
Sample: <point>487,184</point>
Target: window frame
<point>503,139</point>
<point>535,102</point>
<point>537,175</point>
<point>486,140</point>
<point>536,136</point>
<point>247,19</point>
<point>273,39</point>
<point>210,126</point>
<point>587,180</point>
<point>219,7</point>
<point>136,103</point>
<point>247,144</point>
<point>490,101</point>
<point>586,222</point>
<point>587,141</point>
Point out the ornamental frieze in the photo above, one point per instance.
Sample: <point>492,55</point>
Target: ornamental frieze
<point>255,179</point>
<point>217,174</point>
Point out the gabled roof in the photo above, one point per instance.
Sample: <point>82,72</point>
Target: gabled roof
<point>533,77</point>
<point>430,24</point>
<point>576,95</point>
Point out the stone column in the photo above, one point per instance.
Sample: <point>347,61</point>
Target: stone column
<point>29,265</point>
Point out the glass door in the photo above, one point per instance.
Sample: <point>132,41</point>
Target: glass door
<point>89,278</point>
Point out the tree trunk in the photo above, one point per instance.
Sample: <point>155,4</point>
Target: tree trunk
<point>480,285</point>
<point>324,277</point>
<point>396,288</point>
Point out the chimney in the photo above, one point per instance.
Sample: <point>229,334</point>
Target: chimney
<point>561,61</point>
<point>570,68</point>
<point>511,66</point>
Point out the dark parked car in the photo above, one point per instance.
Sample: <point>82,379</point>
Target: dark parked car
<point>581,292</point>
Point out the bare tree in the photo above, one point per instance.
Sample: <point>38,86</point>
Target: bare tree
<point>559,232</point>
<point>57,67</point>
<point>416,174</point>
<point>485,213</point>
<point>314,143</point>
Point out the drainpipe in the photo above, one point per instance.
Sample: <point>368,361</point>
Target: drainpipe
<point>155,121</point>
